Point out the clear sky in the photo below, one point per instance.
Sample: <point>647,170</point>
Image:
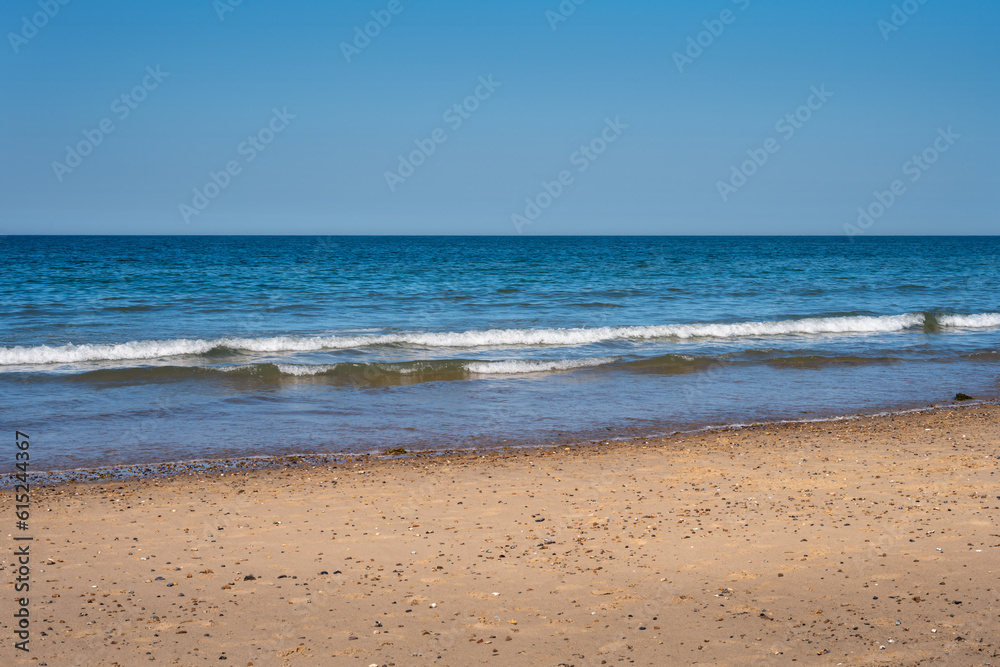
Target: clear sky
<point>663,121</point>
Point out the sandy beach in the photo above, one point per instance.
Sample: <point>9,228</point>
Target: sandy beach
<point>869,541</point>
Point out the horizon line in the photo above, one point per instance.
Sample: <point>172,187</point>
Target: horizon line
<point>525,236</point>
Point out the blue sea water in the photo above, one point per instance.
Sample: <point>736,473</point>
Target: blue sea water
<point>123,350</point>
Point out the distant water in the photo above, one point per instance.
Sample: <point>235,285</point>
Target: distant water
<point>117,350</point>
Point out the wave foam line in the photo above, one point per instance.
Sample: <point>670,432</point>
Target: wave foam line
<point>155,349</point>
<point>501,367</point>
<point>979,321</point>
<point>517,366</point>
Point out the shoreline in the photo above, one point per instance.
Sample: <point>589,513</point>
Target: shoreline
<point>868,541</point>
<point>235,464</point>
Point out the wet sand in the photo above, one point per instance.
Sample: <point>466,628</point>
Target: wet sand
<point>872,541</point>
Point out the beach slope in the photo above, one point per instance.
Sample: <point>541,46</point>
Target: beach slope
<point>869,541</point>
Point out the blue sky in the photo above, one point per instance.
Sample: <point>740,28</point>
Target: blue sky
<point>230,78</point>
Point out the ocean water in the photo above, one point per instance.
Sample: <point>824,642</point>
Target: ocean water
<point>125,350</point>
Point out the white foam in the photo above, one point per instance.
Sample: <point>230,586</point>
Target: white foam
<point>505,367</point>
<point>155,349</point>
<point>300,370</point>
<point>979,321</point>
<point>517,366</point>
<point>70,353</point>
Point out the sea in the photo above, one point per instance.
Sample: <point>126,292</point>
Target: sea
<point>139,350</point>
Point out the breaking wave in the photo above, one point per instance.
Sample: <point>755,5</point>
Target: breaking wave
<point>491,338</point>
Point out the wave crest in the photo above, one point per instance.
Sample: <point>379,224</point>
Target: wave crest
<point>978,321</point>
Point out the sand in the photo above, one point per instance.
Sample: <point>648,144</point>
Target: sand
<point>871,541</point>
